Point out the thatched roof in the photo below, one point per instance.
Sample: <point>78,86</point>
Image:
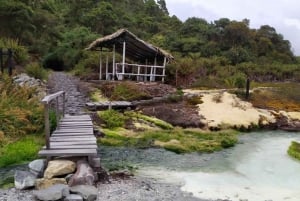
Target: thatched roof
<point>136,48</point>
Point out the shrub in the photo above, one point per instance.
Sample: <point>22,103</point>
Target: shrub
<point>128,92</point>
<point>112,118</point>
<point>36,71</point>
<point>20,52</point>
<point>20,111</point>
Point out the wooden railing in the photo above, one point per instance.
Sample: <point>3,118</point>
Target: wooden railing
<point>47,100</point>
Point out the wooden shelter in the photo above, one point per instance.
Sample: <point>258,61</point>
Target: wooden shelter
<point>149,61</point>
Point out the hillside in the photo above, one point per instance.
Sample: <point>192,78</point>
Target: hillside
<point>212,54</point>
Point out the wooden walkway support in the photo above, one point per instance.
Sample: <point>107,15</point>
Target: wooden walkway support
<point>74,135</point>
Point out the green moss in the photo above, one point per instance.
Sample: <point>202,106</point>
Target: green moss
<point>294,150</point>
<point>157,122</point>
<point>97,96</point>
<point>23,150</point>
<point>177,140</point>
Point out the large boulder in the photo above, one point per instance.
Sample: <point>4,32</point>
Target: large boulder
<point>55,192</point>
<point>46,183</point>
<point>59,167</point>
<point>24,179</point>
<point>37,167</point>
<point>83,176</point>
<point>88,193</point>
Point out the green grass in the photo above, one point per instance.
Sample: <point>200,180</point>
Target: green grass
<point>177,140</point>
<point>112,118</point>
<point>23,150</point>
<point>294,150</point>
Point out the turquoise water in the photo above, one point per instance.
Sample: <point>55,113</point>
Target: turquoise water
<point>258,168</point>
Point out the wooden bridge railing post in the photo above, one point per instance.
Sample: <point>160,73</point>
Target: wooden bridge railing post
<point>46,101</point>
<point>47,125</point>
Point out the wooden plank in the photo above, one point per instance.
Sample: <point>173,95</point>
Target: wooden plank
<point>71,134</point>
<point>70,152</point>
<point>73,143</point>
<point>79,146</point>
<point>69,130</point>
<point>71,139</point>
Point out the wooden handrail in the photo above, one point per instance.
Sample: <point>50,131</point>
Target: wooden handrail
<point>46,101</point>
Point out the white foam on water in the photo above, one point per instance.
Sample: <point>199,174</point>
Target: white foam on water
<point>257,171</point>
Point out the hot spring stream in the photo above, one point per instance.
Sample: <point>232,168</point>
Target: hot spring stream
<point>256,169</point>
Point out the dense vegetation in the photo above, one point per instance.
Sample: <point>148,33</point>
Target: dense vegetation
<point>222,52</point>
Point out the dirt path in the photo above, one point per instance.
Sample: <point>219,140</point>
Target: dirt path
<point>61,81</point>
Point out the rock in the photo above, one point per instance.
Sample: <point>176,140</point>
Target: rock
<point>46,183</point>
<point>83,176</point>
<point>88,193</point>
<point>37,167</point>
<point>59,167</point>
<point>73,197</point>
<point>24,179</point>
<point>55,192</point>
<point>68,177</point>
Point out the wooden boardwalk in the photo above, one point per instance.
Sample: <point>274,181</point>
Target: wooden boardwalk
<point>74,136</point>
<point>106,104</point>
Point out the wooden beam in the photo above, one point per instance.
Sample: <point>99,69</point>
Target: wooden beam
<point>164,69</point>
<point>106,69</point>
<point>124,59</point>
<point>114,62</point>
<point>100,65</point>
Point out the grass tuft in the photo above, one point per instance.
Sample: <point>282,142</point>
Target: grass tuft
<point>23,150</point>
<point>294,150</point>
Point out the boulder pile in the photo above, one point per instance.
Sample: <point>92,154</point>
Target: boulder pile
<point>59,180</point>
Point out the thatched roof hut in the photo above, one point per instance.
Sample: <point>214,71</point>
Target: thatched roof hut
<point>150,60</point>
<point>136,49</point>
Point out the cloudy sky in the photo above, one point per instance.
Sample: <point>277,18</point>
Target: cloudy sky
<point>283,15</point>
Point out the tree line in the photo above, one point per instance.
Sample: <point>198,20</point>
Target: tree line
<point>221,52</point>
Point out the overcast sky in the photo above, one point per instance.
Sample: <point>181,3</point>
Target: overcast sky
<point>283,15</point>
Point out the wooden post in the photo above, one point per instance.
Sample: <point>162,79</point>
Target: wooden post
<point>10,61</point>
<point>1,60</point>
<point>123,62</point>
<point>247,88</point>
<point>57,111</point>
<point>106,68</point>
<point>155,64</point>
<point>100,65</point>
<point>139,72</point>
<point>164,70</point>
<point>63,104</point>
<point>146,71</point>
<point>114,62</point>
<point>47,125</point>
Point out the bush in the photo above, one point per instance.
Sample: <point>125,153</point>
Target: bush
<point>36,71</point>
<point>112,118</point>
<point>20,111</point>
<point>20,53</point>
<point>128,92</point>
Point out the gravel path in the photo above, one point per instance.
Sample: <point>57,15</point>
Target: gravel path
<point>60,81</point>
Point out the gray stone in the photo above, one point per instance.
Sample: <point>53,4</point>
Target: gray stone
<point>37,167</point>
<point>24,179</point>
<point>55,192</point>
<point>83,176</point>
<point>88,193</point>
<point>73,197</point>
